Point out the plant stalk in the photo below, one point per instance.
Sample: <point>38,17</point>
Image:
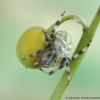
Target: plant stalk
<point>85,38</point>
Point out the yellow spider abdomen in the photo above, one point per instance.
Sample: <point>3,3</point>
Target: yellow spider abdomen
<point>31,40</point>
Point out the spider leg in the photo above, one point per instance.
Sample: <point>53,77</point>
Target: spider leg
<point>63,63</point>
<point>62,15</point>
<point>80,52</point>
<point>68,72</point>
<point>39,52</point>
<point>57,23</point>
<point>47,39</point>
<point>29,56</point>
<point>50,72</point>
<point>66,62</point>
<point>52,34</point>
<point>54,70</point>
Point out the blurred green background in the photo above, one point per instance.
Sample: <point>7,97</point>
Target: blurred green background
<point>18,83</point>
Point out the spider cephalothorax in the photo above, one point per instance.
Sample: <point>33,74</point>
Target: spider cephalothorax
<point>56,52</point>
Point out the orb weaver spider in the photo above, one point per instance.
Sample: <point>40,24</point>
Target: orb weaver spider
<point>56,52</point>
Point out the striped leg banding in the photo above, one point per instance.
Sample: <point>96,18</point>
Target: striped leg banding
<point>58,22</point>
<point>39,52</point>
<point>51,72</point>
<point>29,56</point>
<point>80,52</point>
<point>62,15</point>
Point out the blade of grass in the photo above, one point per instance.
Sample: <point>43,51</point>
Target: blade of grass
<point>86,37</point>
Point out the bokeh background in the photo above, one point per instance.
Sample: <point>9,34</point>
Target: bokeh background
<point>18,83</point>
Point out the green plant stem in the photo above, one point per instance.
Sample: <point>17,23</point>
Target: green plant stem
<point>66,18</point>
<point>86,37</point>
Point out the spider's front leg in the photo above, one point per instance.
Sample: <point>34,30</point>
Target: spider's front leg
<point>62,64</point>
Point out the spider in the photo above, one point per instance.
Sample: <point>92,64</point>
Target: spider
<point>56,52</point>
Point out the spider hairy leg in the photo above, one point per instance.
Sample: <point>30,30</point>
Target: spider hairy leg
<point>62,15</point>
<point>50,72</point>
<point>58,22</point>
<point>39,52</point>
<point>80,52</point>
<point>29,56</point>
